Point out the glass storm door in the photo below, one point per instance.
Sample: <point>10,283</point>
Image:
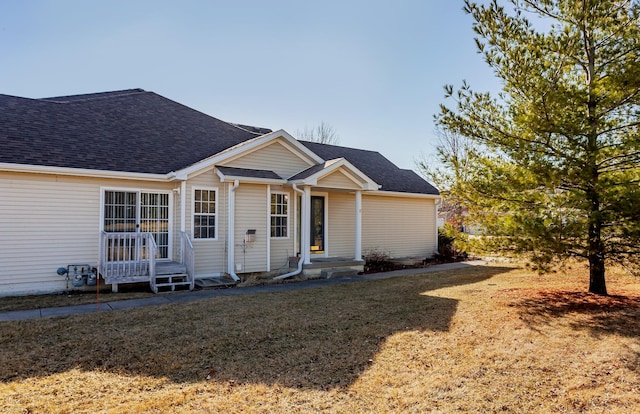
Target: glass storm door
<point>137,211</point>
<point>154,218</point>
<point>317,224</point>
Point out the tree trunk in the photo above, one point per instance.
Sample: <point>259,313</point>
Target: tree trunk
<point>597,282</point>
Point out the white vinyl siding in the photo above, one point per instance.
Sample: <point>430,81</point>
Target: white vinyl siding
<point>211,256</point>
<point>273,157</point>
<point>47,222</point>
<point>398,226</point>
<point>342,208</point>
<point>251,214</point>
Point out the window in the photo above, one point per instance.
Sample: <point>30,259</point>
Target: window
<point>279,215</point>
<point>204,214</point>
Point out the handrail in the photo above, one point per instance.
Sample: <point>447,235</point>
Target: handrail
<point>127,257</point>
<point>188,257</point>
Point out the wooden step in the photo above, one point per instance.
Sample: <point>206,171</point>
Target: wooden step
<point>171,282</point>
<point>170,268</point>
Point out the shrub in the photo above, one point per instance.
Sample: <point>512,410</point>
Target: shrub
<point>449,240</point>
<point>377,261</point>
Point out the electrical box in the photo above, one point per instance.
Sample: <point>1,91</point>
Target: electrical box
<point>250,236</point>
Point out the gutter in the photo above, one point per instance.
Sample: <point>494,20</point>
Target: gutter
<point>301,261</point>
<point>231,231</point>
<point>83,172</point>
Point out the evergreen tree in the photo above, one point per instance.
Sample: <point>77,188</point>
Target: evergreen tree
<point>552,169</point>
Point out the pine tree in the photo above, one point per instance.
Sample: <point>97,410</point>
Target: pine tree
<point>553,166</point>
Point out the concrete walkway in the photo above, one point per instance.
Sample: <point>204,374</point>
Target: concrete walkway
<point>183,297</point>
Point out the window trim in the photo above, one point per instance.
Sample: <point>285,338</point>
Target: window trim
<point>215,213</point>
<point>287,216</point>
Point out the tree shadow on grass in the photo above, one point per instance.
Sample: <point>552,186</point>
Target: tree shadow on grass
<point>599,314</point>
<point>314,338</point>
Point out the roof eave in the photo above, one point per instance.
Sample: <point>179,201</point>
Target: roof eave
<point>403,194</point>
<point>84,172</point>
<point>249,180</point>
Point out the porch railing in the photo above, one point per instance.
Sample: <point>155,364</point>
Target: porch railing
<point>188,257</point>
<point>127,257</point>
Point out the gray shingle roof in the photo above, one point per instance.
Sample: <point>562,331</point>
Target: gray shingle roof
<point>308,172</point>
<point>132,130</point>
<point>376,167</point>
<point>138,131</point>
<point>249,173</point>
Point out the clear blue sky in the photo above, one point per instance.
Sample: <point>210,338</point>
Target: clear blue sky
<point>372,69</point>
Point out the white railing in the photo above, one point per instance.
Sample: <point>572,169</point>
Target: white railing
<point>188,257</point>
<point>127,257</point>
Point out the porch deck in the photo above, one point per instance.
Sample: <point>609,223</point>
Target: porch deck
<point>131,257</point>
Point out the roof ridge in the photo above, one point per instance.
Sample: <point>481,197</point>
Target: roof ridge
<point>248,128</point>
<point>93,96</point>
<point>341,146</point>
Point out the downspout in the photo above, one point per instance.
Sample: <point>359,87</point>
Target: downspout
<point>437,203</point>
<point>301,259</point>
<point>231,231</point>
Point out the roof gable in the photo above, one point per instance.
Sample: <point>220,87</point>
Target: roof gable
<point>273,152</point>
<point>314,175</point>
<point>378,168</point>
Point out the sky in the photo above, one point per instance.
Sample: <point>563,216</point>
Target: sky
<point>374,70</point>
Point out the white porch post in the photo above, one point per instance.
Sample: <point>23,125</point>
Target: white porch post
<point>305,228</point>
<point>183,214</point>
<point>231,227</point>
<point>358,223</point>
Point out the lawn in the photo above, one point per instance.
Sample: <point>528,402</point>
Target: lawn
<point>482,339</point>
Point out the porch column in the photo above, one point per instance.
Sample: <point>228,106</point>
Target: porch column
<point>183,214</point>
<point>358,229</point>
<point>305,228</point>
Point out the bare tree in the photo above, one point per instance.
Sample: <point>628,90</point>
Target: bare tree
<point>323,133</point>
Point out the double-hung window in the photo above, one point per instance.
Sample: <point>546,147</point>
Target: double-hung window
<point>279,215</point>
<point>204,213</point>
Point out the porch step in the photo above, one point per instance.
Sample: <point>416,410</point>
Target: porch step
<point>170,268</point>
<point>215,282</point>
<point>171,283</point>
<point>337,272</point>
<point>170,276</point>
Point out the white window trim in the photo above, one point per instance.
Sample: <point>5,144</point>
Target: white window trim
<point>288,215</point>
<point>215,214</point>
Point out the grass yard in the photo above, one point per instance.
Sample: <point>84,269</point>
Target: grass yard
<point>13,303</point>
<point>482,339</point>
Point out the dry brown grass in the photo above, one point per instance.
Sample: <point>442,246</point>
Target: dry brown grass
<point>14,303</point>
<point>484,339</point>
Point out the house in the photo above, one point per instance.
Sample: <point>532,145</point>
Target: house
<point>142,188</point>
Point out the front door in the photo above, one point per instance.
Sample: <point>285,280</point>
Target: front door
<point>136,211</point>
<point>317,239</point>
